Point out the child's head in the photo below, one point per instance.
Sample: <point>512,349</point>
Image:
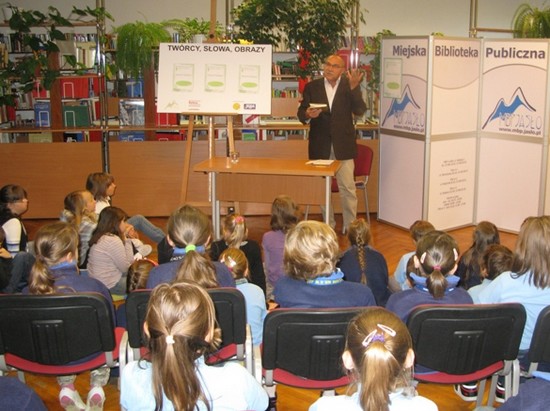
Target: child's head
<point>496,259</point>
<point>112,220</point>
<point>197,267</point>
<point>189,226</point>
<point>485,233</point>
<point>234,230</point>
<point>532,252</point>
<point>181,326</point>
<point>236,261</point>
<point>138,273</point>
<point>80,203</point>
<point>379,352</point>
<point>311,250</point>
<point>436,257</point>
<point>13,200</point>
<point>101,185</point>
<point>284,213</point>
<point>54,243</point>
<point>359,233</point>
<point>419,228</point>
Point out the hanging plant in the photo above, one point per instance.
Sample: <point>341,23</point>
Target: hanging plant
<point>531,22</point>
<point>135,44</point>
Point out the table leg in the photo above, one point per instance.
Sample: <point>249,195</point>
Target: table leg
<point>328,185</point>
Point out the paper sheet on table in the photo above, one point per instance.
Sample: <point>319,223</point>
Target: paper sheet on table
<point>320,162</point>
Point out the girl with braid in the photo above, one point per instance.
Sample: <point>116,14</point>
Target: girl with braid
<point>380,357</point>
<point>435,261</point>
<point>180,325</point>
<point>363,264</point>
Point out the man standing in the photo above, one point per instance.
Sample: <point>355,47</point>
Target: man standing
<point>332,132</point>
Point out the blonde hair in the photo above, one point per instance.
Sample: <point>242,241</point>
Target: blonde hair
<point>379,342</point>
<point>437,253</point>
<point>197,268</point>
<point>181,324</point>
<point>532,254</point>
<point>234,230</point>
<point>188,225</point>
<point>359,236</point>
<point>235,259</point>
<point>138,273</point>
<point>311,250</point>
<point>53,242</point>
<point>75,208</point>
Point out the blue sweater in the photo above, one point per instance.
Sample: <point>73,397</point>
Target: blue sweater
<point>165,273</point>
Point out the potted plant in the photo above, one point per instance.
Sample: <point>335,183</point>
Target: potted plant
<point>192,29</point>
<point>531,22</point>
<point>313,27</point>
<point>39,65</point>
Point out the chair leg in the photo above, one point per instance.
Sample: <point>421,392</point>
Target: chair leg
<point>306,213</point>
<point>366,204</point>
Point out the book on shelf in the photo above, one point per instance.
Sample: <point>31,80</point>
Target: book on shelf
<point>132,112</point>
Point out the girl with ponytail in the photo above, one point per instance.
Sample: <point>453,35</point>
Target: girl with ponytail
<point>180,327</point>
<point>363,264</point>
<point>435,261</point>
<point>55,271</point>
<point>380,357</point>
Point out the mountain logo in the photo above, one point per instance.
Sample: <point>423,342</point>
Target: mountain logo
<point>502,109</point>
<point>398,105</point>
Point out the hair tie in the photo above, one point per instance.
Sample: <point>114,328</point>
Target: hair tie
<point>239,219</point>
<point>437,267</point>
<point>230,263</point>
<point>170,339</point>
<point>376,336</point>
<point>190,247</point>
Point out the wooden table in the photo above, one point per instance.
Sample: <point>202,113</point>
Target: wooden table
<point>260,180</point>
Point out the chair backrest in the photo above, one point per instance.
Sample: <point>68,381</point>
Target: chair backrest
<point>462,339</point>
<point>539,351</point>
<point>306,342</point>
<point>363,160</point>
<point>230,314</point>
<point>56,329</point>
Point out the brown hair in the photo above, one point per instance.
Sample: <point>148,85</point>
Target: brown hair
<point>52,243</point>
<point>484,234</point>
<point>284,213</point>
<point>532,254</point>
<point>138,273</point>
<point>496,259</point>
<point>359,236</point>
<point>109,223</point>
<point>311,250</point>
<point>437,253</point>
<point>10,193</point>
<point>235,259</point>
<point>234,230</point>
<point>97,184</point>
<point>189,225</point>
<point>379,343</point>
<point>419,228</point>
<point>181,324</point>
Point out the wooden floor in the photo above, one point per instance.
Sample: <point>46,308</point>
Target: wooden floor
<point>391,241</point>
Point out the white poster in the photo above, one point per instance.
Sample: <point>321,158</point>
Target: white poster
<point>514,87</point>
<point>214,78</point>
<point>404,84</point>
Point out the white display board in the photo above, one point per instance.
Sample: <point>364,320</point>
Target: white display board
<point>513,131</point>
<point>214,78</point>
<point>429,105</point>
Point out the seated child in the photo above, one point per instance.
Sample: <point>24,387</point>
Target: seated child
<point>496,260</point>
<point>180,327</point>
<point>256,312</point>
<point>380,356</point>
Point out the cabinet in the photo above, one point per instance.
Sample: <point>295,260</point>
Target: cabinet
<point>74,96</point>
